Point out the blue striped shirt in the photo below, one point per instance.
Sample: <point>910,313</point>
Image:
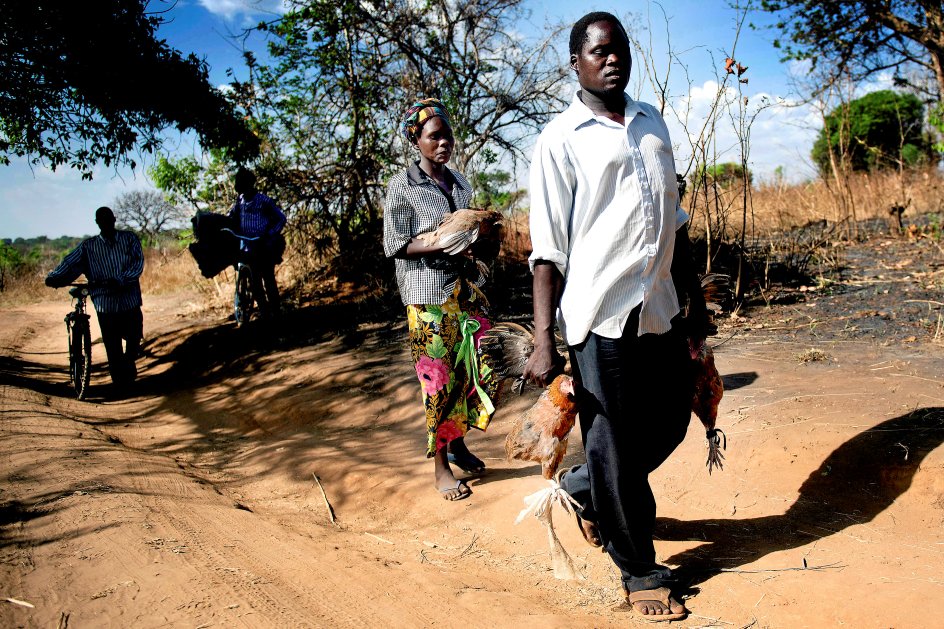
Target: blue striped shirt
<point>101,260</point>
<point>258,215</point>
<point>604,210</point>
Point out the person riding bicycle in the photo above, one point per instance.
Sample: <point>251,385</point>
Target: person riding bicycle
<point>112,262</point>
<point>255,215</point>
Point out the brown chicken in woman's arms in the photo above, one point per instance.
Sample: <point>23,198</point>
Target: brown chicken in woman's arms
<point>459,230</point>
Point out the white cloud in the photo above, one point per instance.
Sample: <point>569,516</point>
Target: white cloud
<point>781,132</point>
<point>230,9</point>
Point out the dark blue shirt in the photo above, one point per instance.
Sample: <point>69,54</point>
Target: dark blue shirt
<point>258,216</point>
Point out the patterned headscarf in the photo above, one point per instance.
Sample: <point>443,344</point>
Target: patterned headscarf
<point>419,113</point>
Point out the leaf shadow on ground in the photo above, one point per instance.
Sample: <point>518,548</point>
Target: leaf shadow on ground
<point>292,396</point>
<point>856,482</point>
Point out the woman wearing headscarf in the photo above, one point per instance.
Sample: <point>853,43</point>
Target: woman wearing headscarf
<point>446,309</point>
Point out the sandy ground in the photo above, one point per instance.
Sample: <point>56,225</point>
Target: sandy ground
<point>193,503</point>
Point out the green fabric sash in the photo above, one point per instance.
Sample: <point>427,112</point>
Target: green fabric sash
<point>468,356</point>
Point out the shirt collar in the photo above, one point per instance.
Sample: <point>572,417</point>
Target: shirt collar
<point>579,114</point>
<point>415,176</point>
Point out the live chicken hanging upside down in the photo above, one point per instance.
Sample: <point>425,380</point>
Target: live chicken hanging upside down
<point>540,434</point>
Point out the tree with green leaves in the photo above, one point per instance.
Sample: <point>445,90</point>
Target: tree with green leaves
<point>865,37</point>
<point>10,260</point>
<point>344,71</point>
<point>879,130</point>
<point>493,190</point>
<point>722,174</point>
<point>194,185</point>
<point>89,82</point>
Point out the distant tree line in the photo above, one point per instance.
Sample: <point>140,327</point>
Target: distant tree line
<point>23,256</point>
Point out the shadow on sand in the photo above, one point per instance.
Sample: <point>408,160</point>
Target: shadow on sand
<point>857,481</point>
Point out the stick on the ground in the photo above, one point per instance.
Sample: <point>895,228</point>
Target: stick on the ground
<point>377,537</point>
<point>325,496</point>
<point>826,566</point>
<point>713,620</point>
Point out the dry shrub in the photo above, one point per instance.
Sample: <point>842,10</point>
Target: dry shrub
<point>172,270</point>
<point>777,206</point>
<point>167,270</point>
<point>516,237</point>
<point>813,355</point>
<point>782,207</point>
<point>25,287</point>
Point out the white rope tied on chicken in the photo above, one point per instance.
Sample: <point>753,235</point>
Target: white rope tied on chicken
<point>541,504</point>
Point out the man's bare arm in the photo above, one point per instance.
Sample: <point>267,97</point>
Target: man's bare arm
<point>548,287</point>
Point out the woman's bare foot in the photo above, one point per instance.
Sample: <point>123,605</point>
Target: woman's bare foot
<point>446,482</point>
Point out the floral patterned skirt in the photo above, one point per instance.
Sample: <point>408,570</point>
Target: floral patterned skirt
<point>458,385</point>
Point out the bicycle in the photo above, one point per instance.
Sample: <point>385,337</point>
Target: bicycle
<point>79,337</point>
<point>243,299</point>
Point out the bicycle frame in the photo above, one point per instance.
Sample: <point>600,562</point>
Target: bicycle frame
<point>79,338</point>
<point>243,297</point>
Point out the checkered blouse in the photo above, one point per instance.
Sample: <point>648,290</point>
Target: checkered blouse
<point>415,204</point>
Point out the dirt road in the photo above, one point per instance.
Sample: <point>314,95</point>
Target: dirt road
<point>193,502</point>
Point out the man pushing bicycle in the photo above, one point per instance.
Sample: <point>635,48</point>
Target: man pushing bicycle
<point>255,215</point>
<point>112,262</point>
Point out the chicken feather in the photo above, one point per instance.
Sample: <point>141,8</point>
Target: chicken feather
<point>458,230</point>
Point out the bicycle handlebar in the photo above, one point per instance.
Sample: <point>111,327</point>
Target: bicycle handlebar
<point>240,236</point>
<point>80,290</point>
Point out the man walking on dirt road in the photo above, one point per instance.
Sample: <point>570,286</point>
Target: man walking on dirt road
<point>608,237</point>
<point>112,262</point>
<point>257,216</point>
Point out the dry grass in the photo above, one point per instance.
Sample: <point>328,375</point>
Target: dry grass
<point>172,270</point>
<point>24,288</point>
<point>872,196</point>
<point>166,271</point>
<point>781,207</point>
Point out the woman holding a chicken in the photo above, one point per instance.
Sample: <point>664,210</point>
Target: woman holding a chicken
<point>439,284</point>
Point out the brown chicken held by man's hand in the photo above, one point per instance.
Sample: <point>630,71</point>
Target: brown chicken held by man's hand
<point>541,433</point>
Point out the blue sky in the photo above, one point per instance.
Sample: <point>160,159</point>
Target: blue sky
<point>37,201</point>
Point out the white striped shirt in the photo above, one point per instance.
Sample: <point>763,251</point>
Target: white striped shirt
<point>100,260</point>
<point>604,210</point>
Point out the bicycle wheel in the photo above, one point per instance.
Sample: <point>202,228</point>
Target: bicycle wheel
<point>242,300</point>
<point>80,357</point>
